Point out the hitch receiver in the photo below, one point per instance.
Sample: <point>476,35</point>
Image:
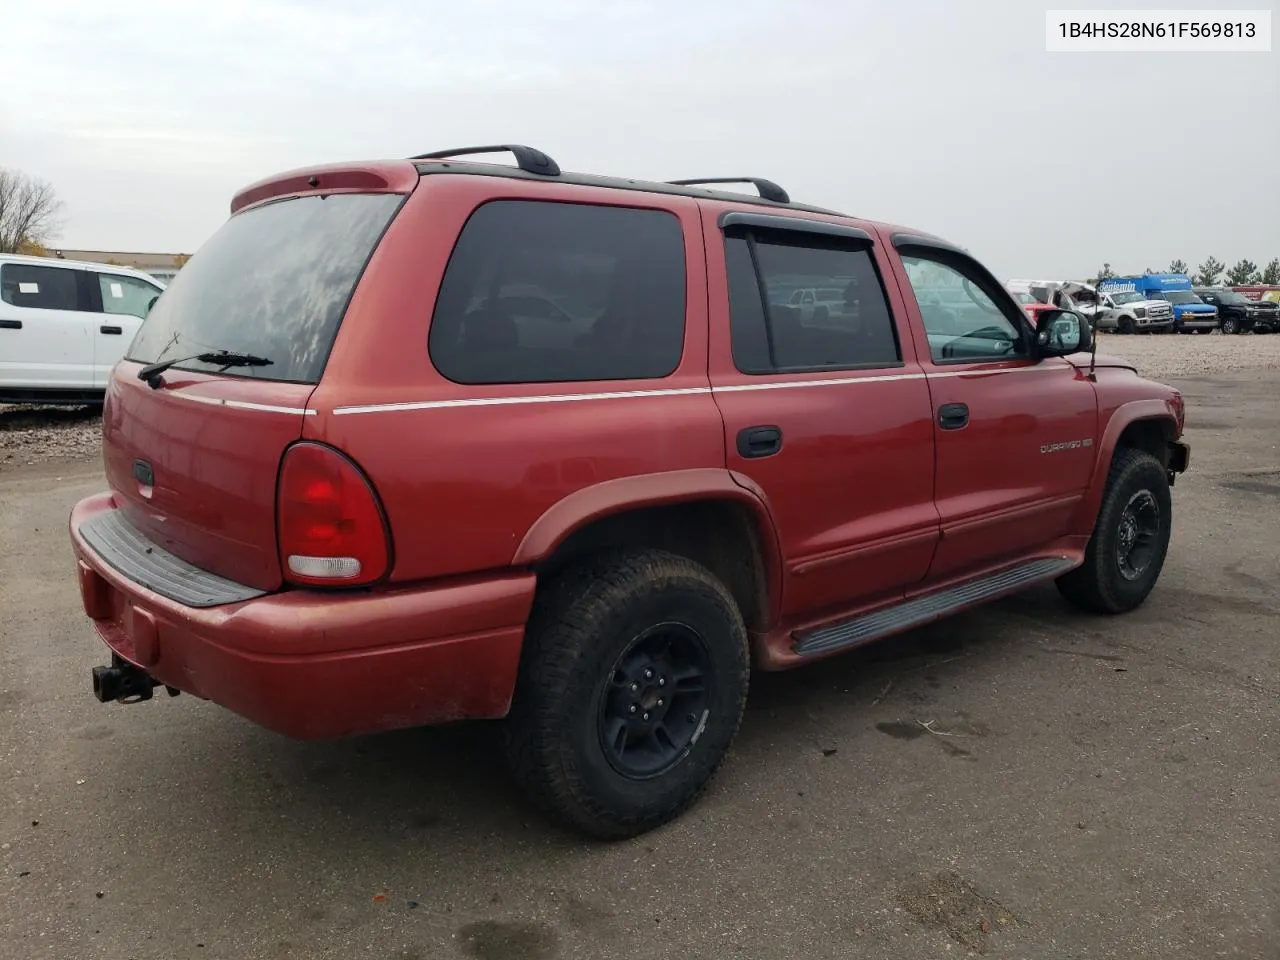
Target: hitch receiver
<point>122,681</point>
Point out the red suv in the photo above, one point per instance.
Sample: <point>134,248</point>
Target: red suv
<point>425,440</point>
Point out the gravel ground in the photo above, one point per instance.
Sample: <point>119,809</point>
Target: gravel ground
<point>33,434</point>
<point>1172,357</point>
<point>30,435</point>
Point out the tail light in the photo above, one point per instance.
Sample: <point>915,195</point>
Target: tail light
<point>330,525</point>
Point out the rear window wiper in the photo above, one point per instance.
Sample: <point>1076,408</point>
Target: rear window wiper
<point>225,359</point>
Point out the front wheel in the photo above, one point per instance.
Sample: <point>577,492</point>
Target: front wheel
<point>1230,325</point>
<point>632,686</point>
<point>1125,325</point>
<point>1130,538</point>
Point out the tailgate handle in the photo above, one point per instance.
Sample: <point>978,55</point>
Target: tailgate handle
<point>759,441</point>
<point>953,416</point>
<point>109,328</point>
<point>10,324</point>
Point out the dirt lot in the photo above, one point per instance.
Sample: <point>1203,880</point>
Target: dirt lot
<point>1084,788</point>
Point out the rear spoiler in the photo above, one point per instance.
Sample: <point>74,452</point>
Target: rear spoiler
<point>390,176</point>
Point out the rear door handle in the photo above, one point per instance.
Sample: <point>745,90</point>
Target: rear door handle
<point>953,416</point>
<point>111,329</point>
<point>761,441</point>
<point>10,324</point>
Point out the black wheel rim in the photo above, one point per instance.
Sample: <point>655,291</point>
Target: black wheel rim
<point>1138,535</point>
<point>654,701</point>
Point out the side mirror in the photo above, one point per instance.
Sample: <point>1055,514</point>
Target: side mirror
<point>1062,332</point>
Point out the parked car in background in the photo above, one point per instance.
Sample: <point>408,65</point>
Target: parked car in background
<point>413,502</point>
<point>64,324</point>
<point>1132,312</point>
<point>1190,313</point>
<point>1124,312</point>
<point>1238,314</point>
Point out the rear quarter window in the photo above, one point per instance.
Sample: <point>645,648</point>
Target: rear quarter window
<point>543,292</point>
<point>274,281</point>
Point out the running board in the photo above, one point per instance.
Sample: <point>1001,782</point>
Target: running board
<point>934,606</point>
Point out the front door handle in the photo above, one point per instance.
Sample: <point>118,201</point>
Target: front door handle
<point>107,328</point>
<point>953,416</point>
<point>10,324</point>
<point>759,441</point>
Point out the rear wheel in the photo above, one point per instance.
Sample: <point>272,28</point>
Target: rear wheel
<point>633,683</point>
<point>1130,538</point>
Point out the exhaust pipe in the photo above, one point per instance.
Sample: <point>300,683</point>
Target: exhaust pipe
<point>122,681</point>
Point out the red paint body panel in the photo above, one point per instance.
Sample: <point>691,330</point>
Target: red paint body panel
<point>463,485</point>
<point>213,503</point>
<point>313,665</point>
<point>851,491</point>
<point>867,503</point>
<point>1003,489</point>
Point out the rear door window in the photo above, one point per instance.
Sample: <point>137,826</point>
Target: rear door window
<point>274,282</point>
<point>40,288</point>
<point>544,292</point>
<point>850,327</point>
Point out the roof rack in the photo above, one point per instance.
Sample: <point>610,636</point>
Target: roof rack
<point>768,189</point>
<point>527,158</point>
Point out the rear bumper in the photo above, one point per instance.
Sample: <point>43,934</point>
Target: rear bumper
<point>316,665</point>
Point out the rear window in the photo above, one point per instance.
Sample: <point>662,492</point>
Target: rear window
<point>538,292</point>
<point>273,282</point>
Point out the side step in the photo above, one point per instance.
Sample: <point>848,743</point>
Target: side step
<point>934,606</point>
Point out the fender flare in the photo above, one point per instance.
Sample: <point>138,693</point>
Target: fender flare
<point>600,500</point>
<point>1121,418</point>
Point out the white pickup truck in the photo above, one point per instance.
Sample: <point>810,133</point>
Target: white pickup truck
<point>1125,312</point>
<point>64,324</point>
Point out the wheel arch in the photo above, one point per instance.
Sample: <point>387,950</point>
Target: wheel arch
<point>712,516</point>
<point>1147,425</point>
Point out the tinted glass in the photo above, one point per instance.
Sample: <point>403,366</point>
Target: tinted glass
<point>126,296</point>
<point>273,282</point>
<point>539,292</point>
<point>963,321</point>
<point>846,324</point>
<point>41,288</point>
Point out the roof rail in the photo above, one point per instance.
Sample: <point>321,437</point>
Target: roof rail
<point>768,189</point>
<point>527,158</point>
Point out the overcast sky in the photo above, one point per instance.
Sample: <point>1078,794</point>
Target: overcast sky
<point>147,115</point>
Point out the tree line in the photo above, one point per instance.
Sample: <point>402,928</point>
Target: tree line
<point>1210,273</point>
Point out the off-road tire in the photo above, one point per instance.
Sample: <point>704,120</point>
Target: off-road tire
<point>1098,585</point>
<point>582,622</point>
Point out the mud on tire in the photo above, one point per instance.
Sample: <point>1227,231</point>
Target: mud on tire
<point>1130,538</point>
<point>632,685</point>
